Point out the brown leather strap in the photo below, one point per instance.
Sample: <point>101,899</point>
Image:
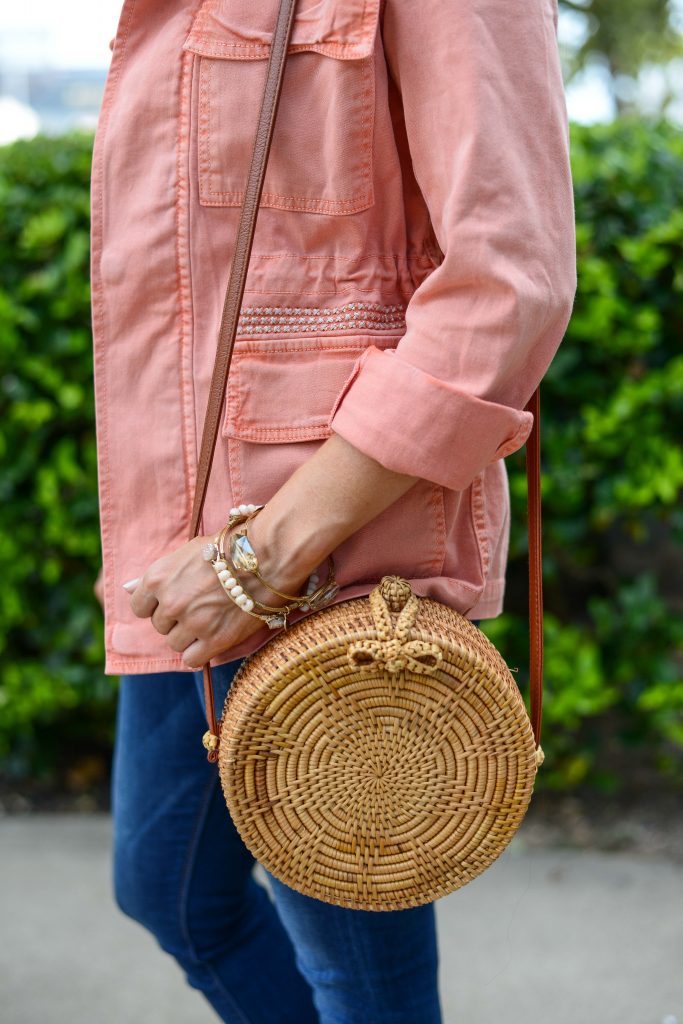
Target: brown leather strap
<point>235,288</point>
<point>226,341</point>
<point>533,482</point>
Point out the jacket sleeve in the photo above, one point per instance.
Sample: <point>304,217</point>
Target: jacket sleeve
<point>486,122</point>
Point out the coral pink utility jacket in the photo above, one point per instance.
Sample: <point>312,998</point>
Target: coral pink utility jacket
<point>412,276</point>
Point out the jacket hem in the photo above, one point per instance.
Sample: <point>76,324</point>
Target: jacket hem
<point>488,605</point>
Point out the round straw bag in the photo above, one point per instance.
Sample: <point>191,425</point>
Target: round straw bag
<point>378,754</point>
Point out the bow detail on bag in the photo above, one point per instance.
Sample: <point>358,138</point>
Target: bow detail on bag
<point>396,655</point>
<point>393,650</point>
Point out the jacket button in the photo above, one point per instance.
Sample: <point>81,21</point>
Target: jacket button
<point>111,43</point>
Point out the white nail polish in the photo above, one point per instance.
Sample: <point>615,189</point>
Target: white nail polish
<point>131,584</point>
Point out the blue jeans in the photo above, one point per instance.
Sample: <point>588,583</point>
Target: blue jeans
<point>181,869</point>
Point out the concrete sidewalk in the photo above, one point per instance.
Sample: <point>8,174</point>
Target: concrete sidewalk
<point>543,937</point>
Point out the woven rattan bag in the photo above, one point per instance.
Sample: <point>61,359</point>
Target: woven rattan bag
<point>377,754</point>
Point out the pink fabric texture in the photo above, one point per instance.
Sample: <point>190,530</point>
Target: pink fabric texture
<point>412,276</point>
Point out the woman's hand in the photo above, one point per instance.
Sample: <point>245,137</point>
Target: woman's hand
<point>328,498</point>
<point>183,597</point>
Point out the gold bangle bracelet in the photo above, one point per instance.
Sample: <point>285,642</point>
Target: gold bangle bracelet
<point>314,597</point>
<point>251,554</point>
<point>294,601</point>
<point>274,617</point>
<point>243,556</point>
<point>223,565</point>
<point>249,559</point>
<point>238,514</point>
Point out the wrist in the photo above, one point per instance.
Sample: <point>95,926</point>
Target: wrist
<point>287,546</point>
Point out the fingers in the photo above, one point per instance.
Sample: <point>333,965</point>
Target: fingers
<point>143,602</point>
<point>163,622</point>
<point>186,605</point>
<point>165,619</point>
<point>196,655</point>
<point>180,637</point>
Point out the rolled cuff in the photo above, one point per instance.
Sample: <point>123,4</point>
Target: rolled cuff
<point>414,423</point>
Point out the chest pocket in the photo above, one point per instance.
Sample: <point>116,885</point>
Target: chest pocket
<point>321,154</point>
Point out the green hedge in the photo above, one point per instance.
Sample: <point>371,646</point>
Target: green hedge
<point>613,470</point>
<point>612,424</point>
<point>53,695</point>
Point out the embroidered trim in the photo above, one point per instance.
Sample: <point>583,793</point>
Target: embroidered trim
<point>293,319</point>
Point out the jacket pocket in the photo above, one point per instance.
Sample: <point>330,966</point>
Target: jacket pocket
<point>279,402</point>
<point>321,154</point>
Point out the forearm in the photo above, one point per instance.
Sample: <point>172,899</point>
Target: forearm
<point>333,494</point>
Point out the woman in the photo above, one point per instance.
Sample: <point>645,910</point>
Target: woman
<point>412,276</point>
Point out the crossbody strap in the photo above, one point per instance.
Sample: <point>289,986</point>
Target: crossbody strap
<point>533,488</point>
<point>225,345</point>
<point>235,289</point>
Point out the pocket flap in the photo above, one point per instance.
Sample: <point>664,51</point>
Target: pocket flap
<point>242,29</point>
<point>287,392</point>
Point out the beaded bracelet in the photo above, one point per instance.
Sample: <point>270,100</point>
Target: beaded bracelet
<point>247,560</point>
<point>238,514</point>
<point>243,554</point>
<point>274,617</point>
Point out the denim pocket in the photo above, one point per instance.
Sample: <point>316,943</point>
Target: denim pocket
<point>281,392</point>
<point>321,154</point>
